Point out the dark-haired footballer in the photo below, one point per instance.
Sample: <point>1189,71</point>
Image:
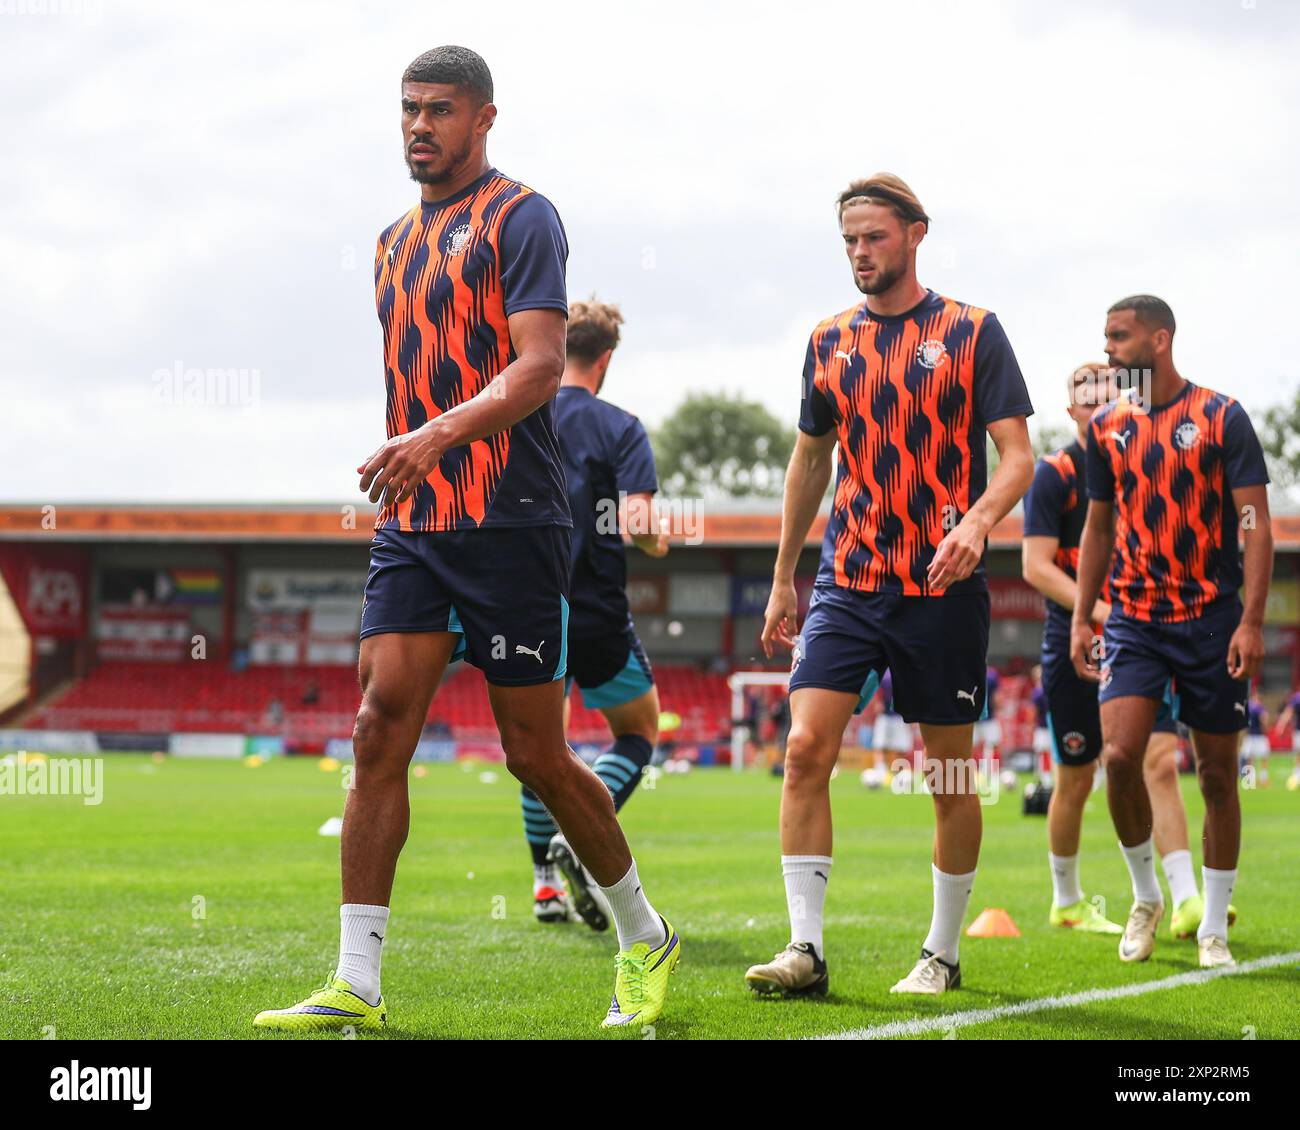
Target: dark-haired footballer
<point>471,544</point>
<point>908,384</point>
<point>1174,476</point>
<point>609,469</point>
<point>1055,510</point>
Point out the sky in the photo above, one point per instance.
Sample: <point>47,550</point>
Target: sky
<point>201,186</point>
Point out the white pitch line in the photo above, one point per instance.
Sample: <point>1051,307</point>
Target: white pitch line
<point>1044,1004</point>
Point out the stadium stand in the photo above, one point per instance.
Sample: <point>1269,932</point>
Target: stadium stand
<point>129,697</point>
<point>100,616</point>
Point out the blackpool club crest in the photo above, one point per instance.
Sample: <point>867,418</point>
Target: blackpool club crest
<point>931,353</point>
<point>1187,435</point>
<point>458,239</point>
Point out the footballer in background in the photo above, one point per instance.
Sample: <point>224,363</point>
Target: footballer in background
<point>891,736</point>
<point>1289,718</point>
<point>1042,739</point>
<point>987,736</point>
<point>609,470</point>
<point>1254,743</point>
<point>1055,511</point>
<point>1174,475</point>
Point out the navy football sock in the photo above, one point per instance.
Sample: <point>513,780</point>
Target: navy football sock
<point>620,766</point>
<point>538,825</point>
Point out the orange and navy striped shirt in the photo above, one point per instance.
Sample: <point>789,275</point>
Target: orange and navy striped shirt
<point>448,275</point>
<point>1057,507</point>
<point>1170,471</point>
<point>909,396</point>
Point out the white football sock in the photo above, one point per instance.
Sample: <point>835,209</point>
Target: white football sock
<point>951,896</point>
<point>1218,893</point>
<point>806,879</point>
<point>1065,879</point>
<point>635,919</point>
<point>1141,860</point>
<point>1179,875</point>
<point>545,875</point>
<point>361,945</point>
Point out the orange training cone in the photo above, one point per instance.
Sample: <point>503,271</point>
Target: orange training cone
<point>993,922</point>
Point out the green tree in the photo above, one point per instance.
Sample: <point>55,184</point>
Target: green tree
<point>1278,428</point>
<point>720,446</point>
<point>1045,439</point>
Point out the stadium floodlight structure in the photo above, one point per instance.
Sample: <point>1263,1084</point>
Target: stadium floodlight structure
<point>739,682</point>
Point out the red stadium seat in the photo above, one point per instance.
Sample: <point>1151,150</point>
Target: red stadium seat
<point>163,697</point>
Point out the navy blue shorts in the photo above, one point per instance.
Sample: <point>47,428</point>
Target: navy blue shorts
<point>1073,716</point>
<point>504,589</point>
<point>610,670</point>
<point>935,646</point>
<point>1186,663</point>
<point>1073,709</point>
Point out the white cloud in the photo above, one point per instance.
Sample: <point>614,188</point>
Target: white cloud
<point>205,184</point>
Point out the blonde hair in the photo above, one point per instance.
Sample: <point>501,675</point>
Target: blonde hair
<point>889,190</point>
<point>1081,374</point>
<point>593,328</point>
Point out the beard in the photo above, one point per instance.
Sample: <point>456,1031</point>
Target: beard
<point>1133,364</point>
<point>885,278</point>
<point>431,174</point>
<point>1134,375</point>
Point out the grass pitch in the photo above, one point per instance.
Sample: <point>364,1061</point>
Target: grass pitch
<point>199,893</point>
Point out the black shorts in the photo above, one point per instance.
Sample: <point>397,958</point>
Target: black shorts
<point>504,589</point>
<point>1073,716</point>
<point>1073,710</point>
<point>610,670</point>
<point>935,646</point>
<point>1184,662</point>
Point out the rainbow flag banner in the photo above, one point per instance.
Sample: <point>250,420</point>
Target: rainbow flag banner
<point>195,586</point>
